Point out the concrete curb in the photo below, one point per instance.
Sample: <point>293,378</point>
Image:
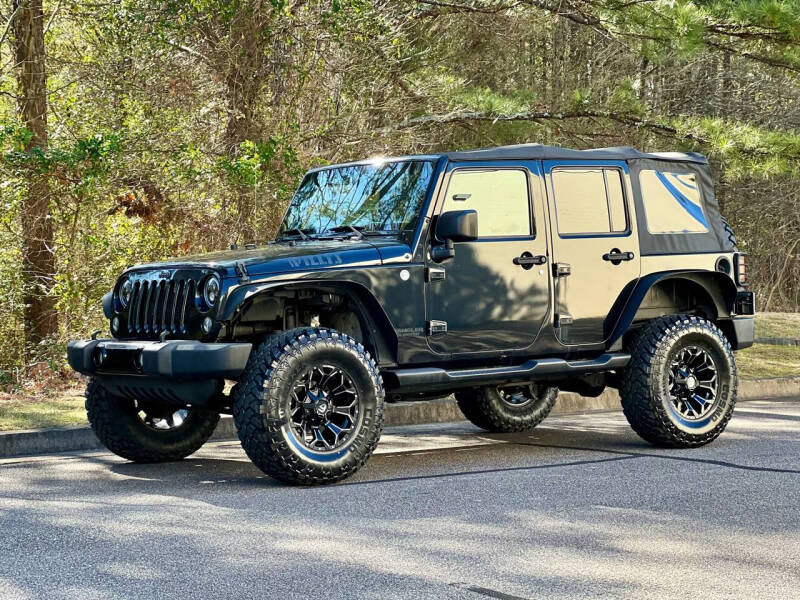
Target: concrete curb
<point>75,439</point>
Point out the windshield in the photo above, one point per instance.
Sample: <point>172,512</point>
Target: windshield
<point>378,198</point>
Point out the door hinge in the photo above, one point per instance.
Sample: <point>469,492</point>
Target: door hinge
<point>561,269</point>
<point>434,327</point>
<point>434,274</point>
<point>563,319</point>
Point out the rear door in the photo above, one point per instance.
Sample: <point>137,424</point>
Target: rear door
<point>594,240</point>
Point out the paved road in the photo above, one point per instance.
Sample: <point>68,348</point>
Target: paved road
<point>578,508</point>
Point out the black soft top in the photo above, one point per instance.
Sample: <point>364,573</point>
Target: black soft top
<point>716,239</point>
<point>544,152</point>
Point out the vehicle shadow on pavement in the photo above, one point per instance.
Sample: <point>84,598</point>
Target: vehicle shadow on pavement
<point>198,471</point>
<point>560,446</point>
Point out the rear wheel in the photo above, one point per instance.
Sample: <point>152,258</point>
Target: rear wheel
<point>507,409</point>
<point>679,389</point>
<point>145,433</point>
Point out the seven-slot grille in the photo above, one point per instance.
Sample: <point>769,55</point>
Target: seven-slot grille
<point>159,305</point>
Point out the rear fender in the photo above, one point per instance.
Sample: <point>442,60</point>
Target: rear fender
<point>718,288</point>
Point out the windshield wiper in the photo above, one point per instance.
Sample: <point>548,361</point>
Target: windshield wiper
<point>302,233</point>
<point>345,229</point>
<point>383,232</point>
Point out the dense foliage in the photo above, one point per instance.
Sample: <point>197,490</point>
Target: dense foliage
<point>181,126</point>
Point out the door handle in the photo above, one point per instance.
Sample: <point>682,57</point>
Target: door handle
<point>526,260</point>
<point>616,256</point>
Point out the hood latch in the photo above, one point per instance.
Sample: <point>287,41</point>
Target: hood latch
<point>241,272</point>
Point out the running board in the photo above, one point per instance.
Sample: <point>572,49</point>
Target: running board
<point>432,378</point>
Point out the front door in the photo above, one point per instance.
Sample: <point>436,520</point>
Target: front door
<point>595,249</point>
<point>493,295</point>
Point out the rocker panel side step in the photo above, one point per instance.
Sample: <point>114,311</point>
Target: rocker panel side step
<point>432,378</point>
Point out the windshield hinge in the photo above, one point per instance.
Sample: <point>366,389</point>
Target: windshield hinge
<point>241,272</point>
<point>433,327</point>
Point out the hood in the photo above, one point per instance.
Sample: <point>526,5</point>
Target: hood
<point>286,257</point>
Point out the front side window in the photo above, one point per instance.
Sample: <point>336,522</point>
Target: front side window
<point>672,202</point>
<point>500,196</point>
<point>589,201</point>
<point>375,197</point>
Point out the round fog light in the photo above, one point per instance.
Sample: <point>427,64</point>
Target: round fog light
<point>207,325</point>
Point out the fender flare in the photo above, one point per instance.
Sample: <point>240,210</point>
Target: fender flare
<point>374,320</point>
<point>719,286</point>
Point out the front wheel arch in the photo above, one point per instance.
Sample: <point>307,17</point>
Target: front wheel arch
<point>379,336</point>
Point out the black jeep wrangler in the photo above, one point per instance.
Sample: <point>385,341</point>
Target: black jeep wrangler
<point>499,275</point>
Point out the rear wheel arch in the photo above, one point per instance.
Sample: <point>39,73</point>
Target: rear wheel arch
<point>707,294</point>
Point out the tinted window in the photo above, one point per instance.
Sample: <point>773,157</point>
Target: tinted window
<point>372,197</point>
<point>589,201</point>
<point>672,202</point>
<point>500,196</point>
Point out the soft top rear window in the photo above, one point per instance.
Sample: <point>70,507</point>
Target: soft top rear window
<point>672,202</point>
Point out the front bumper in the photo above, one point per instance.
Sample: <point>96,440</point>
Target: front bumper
<point>174,359</point>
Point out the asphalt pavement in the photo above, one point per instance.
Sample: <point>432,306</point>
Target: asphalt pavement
<point>578,508</point>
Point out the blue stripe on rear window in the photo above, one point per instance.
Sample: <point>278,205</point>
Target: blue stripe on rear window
<point>690,207</point>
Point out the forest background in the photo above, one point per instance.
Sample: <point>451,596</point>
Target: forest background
<point>135,130</point>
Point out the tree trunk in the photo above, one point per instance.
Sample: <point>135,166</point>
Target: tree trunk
<point>242,66</point>
<point>38,260</point>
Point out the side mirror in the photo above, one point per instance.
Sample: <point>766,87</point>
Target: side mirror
<point>454,226</point>
<point>457,226</point>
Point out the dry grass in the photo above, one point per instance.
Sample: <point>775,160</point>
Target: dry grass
<point>60,405</point>
<point>769,361</point>
<point>62,409</point>
<point>778,325</point>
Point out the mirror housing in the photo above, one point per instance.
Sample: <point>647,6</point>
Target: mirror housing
<point>453,226</point>
<point>457,226</point>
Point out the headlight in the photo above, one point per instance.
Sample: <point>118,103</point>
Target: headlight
<point>125,291</point>
<point>211,291</point>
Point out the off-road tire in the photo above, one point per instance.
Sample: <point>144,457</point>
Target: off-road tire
<point>260,405</point>
<point>116,423</point>
<point>486,408</point>
<point>645,389</point>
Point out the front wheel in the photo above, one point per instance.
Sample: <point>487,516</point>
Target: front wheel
<point>679,389</point>
<point>309,406</point>
<point>507,409</point>
<point>144,433</point>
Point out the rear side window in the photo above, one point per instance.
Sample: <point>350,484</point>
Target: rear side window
<point>589,201</point>
<point>672,202</point>
<point>500,196</point>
